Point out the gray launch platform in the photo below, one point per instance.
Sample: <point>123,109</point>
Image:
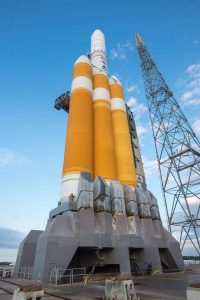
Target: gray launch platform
<point>107,226</point>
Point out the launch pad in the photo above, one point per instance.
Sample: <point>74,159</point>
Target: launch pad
<point>109,227</point>
<point>106,220</point>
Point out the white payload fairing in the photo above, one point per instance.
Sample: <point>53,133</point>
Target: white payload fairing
<point>104,151</point>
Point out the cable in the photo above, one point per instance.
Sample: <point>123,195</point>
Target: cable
<point>101,70</point>
<point>168,15</point>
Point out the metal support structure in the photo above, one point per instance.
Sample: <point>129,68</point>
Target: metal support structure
<point>63,101</point>
<point>178,154</point>
<point>132,131</point>
<point>135,148</point>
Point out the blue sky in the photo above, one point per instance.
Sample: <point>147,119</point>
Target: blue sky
<point>39,42</point>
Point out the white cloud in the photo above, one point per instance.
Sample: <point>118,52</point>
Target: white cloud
<point>194,101</point>
<point>191,95</point>
<point>137,108</point>
<point>10,238</point>
<point>141,130</point>
<point>194,83</point>
<point>196,126</point>
<point>131,88</point>
<point>187,95</point>
<point>150,167</point>
<point>116,54</point>
<point>191,201</point>
<point>194,70</point>
<point>121,51</point>
<point>9,157</point>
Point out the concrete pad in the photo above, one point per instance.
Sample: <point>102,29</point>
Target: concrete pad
<point>171,286</point>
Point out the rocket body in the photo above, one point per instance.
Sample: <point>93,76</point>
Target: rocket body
<point>126,172</point>
<point>98,138</point>
<point>104,152</point>
<point>78,155</point>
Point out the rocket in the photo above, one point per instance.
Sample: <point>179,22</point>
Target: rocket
<point>102,215</point>
<point>104,152</point>
<point>98,140</point>
<point>78,155</point>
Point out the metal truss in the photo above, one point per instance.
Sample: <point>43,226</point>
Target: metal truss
<point>63,101</point>
<point>178,154</point>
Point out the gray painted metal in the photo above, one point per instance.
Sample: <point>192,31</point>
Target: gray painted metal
<point>130,201</point>
<point>117,197</point>
<point>136,148</point>
<point>93,235</point>
<point>101,195</point>
<point>61,208</point>
<point>26,251</point>
<point>85,191</point>
<point>142,197</point>
<point>153,203</point>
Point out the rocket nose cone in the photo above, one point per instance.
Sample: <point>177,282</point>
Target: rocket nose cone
<point>98,34</point>
<point>83,59</point>
<point>98,41</point>
<point>114,80</point>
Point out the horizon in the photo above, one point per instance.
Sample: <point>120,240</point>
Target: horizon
<point>39,43</point>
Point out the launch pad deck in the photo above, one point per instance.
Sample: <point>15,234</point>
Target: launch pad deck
<point>171,286</point>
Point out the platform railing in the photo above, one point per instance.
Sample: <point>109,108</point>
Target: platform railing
<point>60,275</point>
<point>25,273</point>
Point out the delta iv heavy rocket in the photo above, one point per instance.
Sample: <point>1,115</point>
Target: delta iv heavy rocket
<point>106,218</point>
<point>98,126</point>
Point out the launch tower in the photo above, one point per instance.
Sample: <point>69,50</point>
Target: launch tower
<point>177,149</point>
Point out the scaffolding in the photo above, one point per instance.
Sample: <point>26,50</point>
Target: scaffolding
<point>178,154</point>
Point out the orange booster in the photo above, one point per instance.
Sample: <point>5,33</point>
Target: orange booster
<point>78,155</point>
<point>126,172</point>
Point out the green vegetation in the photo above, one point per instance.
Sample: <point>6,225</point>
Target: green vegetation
<point>191,258</point>
<point>4,263</point>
